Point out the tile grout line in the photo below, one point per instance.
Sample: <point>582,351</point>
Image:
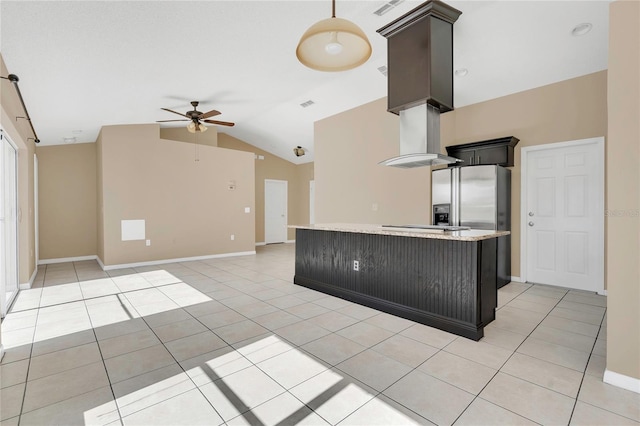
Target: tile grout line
<point>104,365</point>
<point>595,341</point>
<point>507,360</point>
<point>180,365</point>
<point>142,317</point>
<point>26,379</point>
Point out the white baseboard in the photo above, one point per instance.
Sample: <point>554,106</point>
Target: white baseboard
<point>66,259</point>
<point>1,351</point>
<point>164,261</point>
<point>262,243</point>
<point>290,241</point>
<point>517,279</point>
<point>620,380</point>
<point>27,286</point>
<point>100,263</point>
<point>602,292</point>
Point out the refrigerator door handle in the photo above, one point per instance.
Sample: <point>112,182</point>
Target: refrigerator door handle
<point>455,197</point>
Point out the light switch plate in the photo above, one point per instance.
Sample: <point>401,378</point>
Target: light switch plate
<point>247,209</point>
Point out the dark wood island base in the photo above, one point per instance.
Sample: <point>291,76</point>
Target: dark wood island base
<point>447,283</point>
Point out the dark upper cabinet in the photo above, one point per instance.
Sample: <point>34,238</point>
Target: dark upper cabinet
<point>495,151</point>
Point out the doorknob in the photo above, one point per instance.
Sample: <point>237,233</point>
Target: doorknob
<point>530,223</point>
<point>530,213</point>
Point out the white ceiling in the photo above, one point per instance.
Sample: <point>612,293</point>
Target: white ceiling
<point>85,64</point>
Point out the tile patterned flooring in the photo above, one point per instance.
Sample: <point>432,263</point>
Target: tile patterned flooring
<point>233,341</point>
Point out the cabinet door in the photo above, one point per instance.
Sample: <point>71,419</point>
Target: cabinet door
<point>492,155</point>
<point>466,155</point>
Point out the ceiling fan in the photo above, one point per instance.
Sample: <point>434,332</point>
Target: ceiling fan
<point>196,118</point>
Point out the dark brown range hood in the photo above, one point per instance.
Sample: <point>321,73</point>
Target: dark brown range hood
<point>420,80</point>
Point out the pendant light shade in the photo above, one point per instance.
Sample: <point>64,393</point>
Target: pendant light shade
<point>193,127</point>
<point>333,44</point>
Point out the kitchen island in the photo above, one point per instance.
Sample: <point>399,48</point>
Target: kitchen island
<point>444,279</point>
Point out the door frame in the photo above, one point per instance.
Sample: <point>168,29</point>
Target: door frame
<point>36,210</point>
<point>5,303</point>
<point>312,202</point>
<point>599,142</point>
<point>286,207</point>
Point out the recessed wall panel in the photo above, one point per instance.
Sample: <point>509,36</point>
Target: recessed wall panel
<point>546,258</point>
<point>545,194</point>
<point>575,190</point>
<point>576,159</point>
<point>577,249</point>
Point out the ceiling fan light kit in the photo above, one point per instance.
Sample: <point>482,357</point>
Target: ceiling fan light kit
<point>194,127</point>
<point>298,151</point>
<point>333,44</point>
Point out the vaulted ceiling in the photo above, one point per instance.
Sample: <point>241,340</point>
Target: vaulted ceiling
<point>85,64</point>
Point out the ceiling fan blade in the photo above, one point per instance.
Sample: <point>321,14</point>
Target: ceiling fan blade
<point>211,113</point>
<point>221,123</point>
<point>175,112</point>
<point>166,121</point>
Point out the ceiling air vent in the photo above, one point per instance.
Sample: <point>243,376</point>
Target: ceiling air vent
<point>387,7</point>
<point>307,104</point>
<point>383,70</point>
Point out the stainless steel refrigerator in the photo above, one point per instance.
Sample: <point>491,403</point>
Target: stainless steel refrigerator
<point>478,197</point>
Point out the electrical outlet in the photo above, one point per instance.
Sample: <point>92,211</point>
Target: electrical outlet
<point>374,207</point>
<point>233,237</point>
<point>356,265</point>
<point>148,242</point>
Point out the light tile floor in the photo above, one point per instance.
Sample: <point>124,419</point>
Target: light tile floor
<point>234,341</point>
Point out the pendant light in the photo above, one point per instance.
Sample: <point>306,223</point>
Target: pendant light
<point>196,127</point>
<point>333,44</point>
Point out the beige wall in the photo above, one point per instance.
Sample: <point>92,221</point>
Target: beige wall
<point>349,181</point>
<point>184,199</point>
<point>67,200</point>
<point>181,134</point>
<point>349,145</point>
<point>272,167</point>
<point>623,191</point>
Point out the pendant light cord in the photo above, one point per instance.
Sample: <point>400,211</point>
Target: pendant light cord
<point>333,8</point>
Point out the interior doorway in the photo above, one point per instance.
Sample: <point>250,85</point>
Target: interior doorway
<point>562,215</point>
<point>8,224</point>
<point>275,211</point>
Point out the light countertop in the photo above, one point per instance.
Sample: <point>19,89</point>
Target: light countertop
<point>468,235</point>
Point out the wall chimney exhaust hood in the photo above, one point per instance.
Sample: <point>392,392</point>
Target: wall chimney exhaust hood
<point>420,80</point>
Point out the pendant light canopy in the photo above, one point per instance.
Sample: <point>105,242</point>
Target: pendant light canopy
<point>333,44</point>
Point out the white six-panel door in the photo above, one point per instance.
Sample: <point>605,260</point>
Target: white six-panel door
<point>563,220</point>
<point>275,211</point>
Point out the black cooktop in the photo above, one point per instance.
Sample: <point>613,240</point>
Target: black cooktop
<point>438,227</point>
